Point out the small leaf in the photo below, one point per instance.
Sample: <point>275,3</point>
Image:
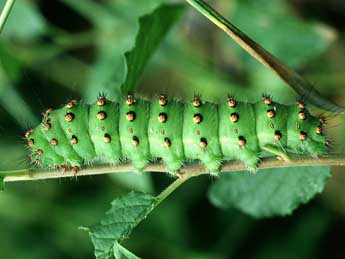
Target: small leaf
<point>153,28</point>
<point>122,253</point>
<point>126,212</point>
<point>269,192</point>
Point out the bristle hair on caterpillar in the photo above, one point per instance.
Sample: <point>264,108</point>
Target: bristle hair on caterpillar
<point>141,131</point>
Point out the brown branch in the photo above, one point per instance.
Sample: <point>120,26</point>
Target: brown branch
<point>189,170</point>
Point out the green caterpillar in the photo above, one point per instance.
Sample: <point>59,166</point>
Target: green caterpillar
<point>141,131</point>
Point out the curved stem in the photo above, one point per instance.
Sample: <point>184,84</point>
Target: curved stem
<point>189,170</point>
<point>170,189</point>
<point>277,151</point>
<point>5,12</point>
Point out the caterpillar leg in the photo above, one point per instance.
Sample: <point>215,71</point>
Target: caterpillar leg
<point>75,170</point>
<point>173,166</point>
<point>64,168</point>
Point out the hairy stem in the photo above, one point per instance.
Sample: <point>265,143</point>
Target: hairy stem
<point>5,12</point>
<point>189,170</point>
<point>300,85</point>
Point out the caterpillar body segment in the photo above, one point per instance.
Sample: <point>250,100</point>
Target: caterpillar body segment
<point>271,124</point>
<point>175,132</point>
<point>237,133</point>
<point>165,138</point>
<point>104,130</point>
<point>74,121</point>
<point>304,133</point>
<point>200,135</point>
<point>42,151</point>
<point>51,128</point>
<point>133,126</point>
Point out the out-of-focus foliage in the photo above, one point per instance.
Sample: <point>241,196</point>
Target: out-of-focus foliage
<point>55,50</point>
<point>271,24</point>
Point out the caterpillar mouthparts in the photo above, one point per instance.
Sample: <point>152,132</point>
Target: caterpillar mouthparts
<point>140,131</point>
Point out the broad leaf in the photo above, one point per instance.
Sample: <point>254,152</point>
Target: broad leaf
<point>122,253</point>
<point>110,70</point>
<point>126,212</point>
<point>153,28</point>
<point>269,192</point>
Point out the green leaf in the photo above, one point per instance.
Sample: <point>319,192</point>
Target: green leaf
<point>126,212</point>
<point>122,253</point>
<point>110,70</point>
<point>269,192</point>
<point>152,30</point>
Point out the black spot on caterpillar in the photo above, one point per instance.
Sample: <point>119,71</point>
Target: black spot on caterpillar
<point>140,131</point>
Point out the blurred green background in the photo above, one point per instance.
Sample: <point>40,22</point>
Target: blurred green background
<point>51,51</point>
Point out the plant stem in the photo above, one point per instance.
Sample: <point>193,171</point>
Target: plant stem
<point>5,12</point>
<point>189,170</point>
<point>172,187</point>
<point>277,151</point>
<point>301,86</point>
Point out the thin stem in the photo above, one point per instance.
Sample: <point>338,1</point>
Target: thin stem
<point>277,151</point>
<point>5,13</point>
<point>301,86</point>
<point>171,188</point>
<point>189,170</point>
